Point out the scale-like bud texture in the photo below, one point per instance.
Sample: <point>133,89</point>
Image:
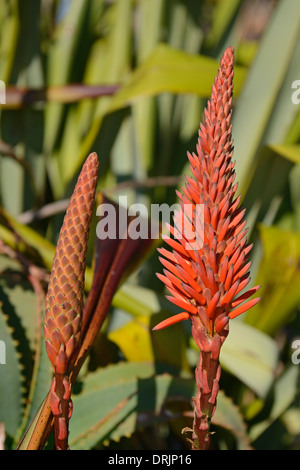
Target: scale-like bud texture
<point>64,300</point>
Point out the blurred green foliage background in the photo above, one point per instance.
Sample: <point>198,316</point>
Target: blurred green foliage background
<point>129,79</point>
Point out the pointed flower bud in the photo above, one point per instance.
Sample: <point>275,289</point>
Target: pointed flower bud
<point>64,300</point>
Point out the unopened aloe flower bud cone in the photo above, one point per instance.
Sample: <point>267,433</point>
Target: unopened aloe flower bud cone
<point>208,268</point>
<point>64,299</point>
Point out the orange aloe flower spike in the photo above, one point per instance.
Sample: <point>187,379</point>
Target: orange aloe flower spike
<point>218,261</point>
<point>64,299</point>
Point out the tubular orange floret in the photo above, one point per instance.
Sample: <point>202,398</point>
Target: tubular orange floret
<point>224,252</point>
<point>209,248</point>
<point>172,320</point>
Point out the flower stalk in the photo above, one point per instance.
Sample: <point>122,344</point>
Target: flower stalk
<point>64,299</point>
<point>207,270</point>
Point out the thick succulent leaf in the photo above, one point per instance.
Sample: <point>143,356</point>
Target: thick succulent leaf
<point>21,317</point>
<point>63,50</point>
<point>107,397</point>
<point>268,185</point>
<point>27,372</point>
<point>151,17</point>
<point>19,301</point>
<point>279,277</point>
<point>170,70</point>
<point>11,368</point>
<point>26,240</point>
<point>250,355</point>
<point>273,172</point>
<point>294,218</point>
<point>223,15</point>
<point>282,128</point>
<point>264,81</point>
<point>140,301</point>
<point>167,70</point>
<point>289,151</point>
<point>26,69</point>
<point>120,399</point>
<point>228,416</point>
<point>10,380</point>
<point>284,394</point>
<point>8,38</point>
<point>39,386</point>
<point>116,63</point>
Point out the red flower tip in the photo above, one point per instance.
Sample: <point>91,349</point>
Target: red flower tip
<point>208,267</point>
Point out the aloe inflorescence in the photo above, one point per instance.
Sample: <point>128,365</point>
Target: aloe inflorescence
<point>64,299</point>
<point>207,270</point>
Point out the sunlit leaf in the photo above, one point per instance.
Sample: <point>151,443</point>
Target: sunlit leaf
<point>279,277</point>
<point>284,393</point>
<point>11,374</point>
<point>250,355</point>
<point>172,71</point>
<point>167,70</point>
<point>260,92</point>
